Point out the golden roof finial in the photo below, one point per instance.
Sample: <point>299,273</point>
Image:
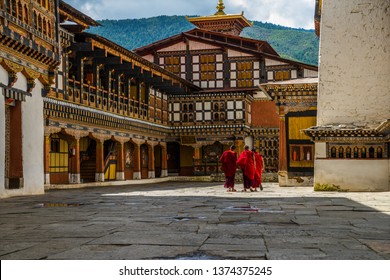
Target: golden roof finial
<point>220,8</point>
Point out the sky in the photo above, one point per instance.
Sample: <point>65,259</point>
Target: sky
<point>291,13</point>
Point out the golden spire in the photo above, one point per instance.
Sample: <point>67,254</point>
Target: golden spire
<point>220,8</point>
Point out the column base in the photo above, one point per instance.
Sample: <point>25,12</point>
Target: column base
<point>74,179</point>
<point>164,173</point>
<point>136,175</point>
<point>120,176</point>
<point>99,177</point>
<point>151,174</point>
<point>47,178</point>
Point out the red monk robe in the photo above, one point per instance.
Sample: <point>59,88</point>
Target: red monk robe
<point>246,163</point>
<point>259,168</point>
<point>229,159</point>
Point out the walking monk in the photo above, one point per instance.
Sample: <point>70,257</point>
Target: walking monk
<point>259,168</point>
<point>229,165</point>
<point>246,163</point>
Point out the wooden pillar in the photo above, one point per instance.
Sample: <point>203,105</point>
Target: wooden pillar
<point>74,174</point>
<point>137,162</point>
<point>80,75</point>
<point>120,162</point>
<point>282,145</point>
<point>99,174</point>
<point>151,167</point>
<point>46,150</point>
<point>164,162</point>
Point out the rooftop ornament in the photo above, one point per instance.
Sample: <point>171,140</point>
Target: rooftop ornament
<point>220,8</point>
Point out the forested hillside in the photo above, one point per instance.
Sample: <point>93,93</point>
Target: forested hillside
<point>296,44</point>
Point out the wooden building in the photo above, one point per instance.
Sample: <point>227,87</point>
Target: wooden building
<point>110,121</point>
<point>246,91</point>
<point>80,108</point>
<point>29,57</point>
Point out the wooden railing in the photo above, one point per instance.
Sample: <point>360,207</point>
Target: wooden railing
<point>107,101</point>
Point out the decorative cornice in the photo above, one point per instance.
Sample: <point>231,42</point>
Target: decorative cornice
<point>349,133</point>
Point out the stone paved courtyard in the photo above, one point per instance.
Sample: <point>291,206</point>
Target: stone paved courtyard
<point>195,220</point>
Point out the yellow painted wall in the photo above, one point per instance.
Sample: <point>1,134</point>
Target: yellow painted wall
<point>59,161</point>
<point>297,124</point>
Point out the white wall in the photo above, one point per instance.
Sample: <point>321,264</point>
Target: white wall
<point>32,142</point>
<point>355,175</point>
<point>354,74</point>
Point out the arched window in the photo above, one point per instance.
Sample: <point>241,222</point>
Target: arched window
<point>222,106</point>
<point>216,117</point>
<point>341,152</point>
<point>185,108</point>
<point>216,107</point>
<point>356,152</point>
<point>371,152</point>
<point>379,153</point>
<point>191,117</point>
<point>185,118</point>
<point>222,116</point>
<point>191,107</point>
<point>333,152</point>
<point>348,152</point>
<point>364,152</point>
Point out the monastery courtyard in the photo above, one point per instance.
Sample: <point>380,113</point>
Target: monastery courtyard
<point>195,220</point>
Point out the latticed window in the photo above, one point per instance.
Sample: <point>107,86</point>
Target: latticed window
<point>172,64</point>
<point>245,74</point>
<point>282,75</point>
<point>207,67</point>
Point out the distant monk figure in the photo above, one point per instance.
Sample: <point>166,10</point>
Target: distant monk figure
<point>259,168</point>
<point>246,163</point>
<point>229,165</point>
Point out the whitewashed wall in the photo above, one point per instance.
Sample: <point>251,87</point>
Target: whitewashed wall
<point>354,86</point>
<point>33,136</point>
<point>33,141</point>
<point>356,175</point>
<point>354,74</point>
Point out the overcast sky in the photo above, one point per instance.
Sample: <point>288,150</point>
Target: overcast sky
<point>292,13</point>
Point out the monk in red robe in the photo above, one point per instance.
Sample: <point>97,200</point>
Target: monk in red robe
<point>229,165</point>
<point>246,163</point>
<point>259,168</point>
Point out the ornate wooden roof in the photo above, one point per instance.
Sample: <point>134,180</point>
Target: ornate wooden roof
<point>221,22</point>
<point>68,13</point>
<point>251,46</point>
<point>125,59</point>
